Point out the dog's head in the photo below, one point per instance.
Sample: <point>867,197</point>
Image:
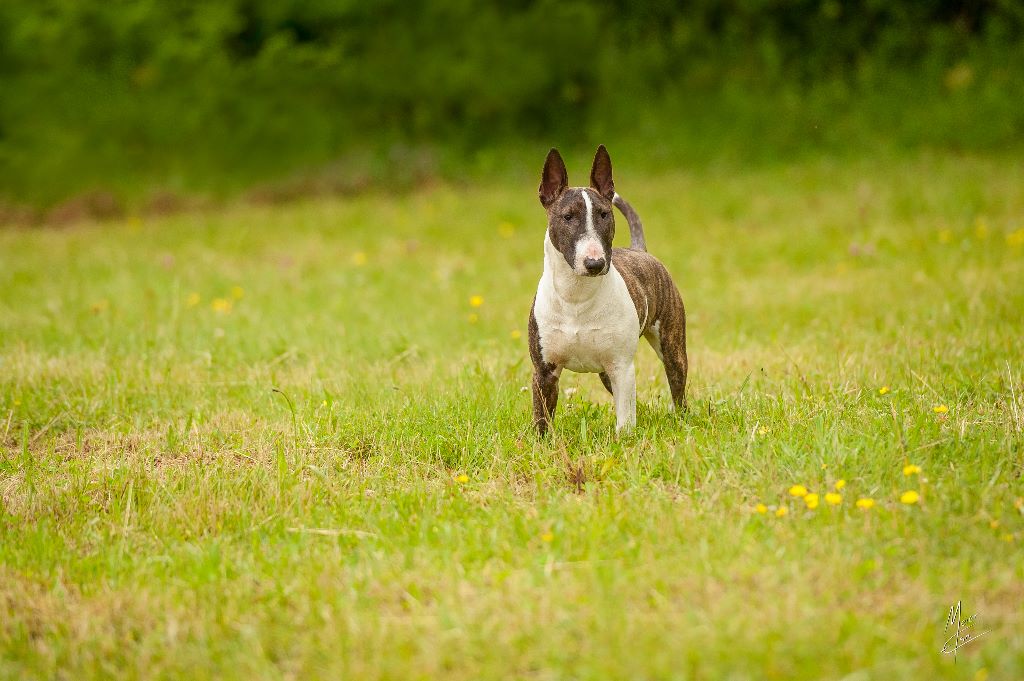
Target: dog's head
<point>580,221</point>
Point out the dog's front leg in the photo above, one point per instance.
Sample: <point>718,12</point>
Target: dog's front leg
<point>623,379</point>
<point>545,396</point>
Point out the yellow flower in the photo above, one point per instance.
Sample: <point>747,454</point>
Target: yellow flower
<point>865,503</point>
<point>798,491</point>
<point>959,77</point>
<point>507,230</point>
<point>994,524</point>
<point>359,258</point>
<point>220,305</point>
<point>237,292</point>
<point>763,430</point>
<point>1015,238</point>
<point>547,537</point>
<point>462,477</point>
<point>812,501</point>
<point>516,335</point>
<point>833,499</point>
<point>473,318</point>
<point>884,390</point>
<point>910,497</point>
<point>1008,537</point>
<point>840,484</point>
<point>940,409</point>
<point>476,301</point>
<point>945,236</point>
<point>782,511</point>
<point>324,403</point>
<point>911,469</point>
<point>981,228</point>
<point>761,508</point>
<point>193,299</point>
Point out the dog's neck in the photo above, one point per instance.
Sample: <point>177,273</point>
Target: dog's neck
<point>569,286</point>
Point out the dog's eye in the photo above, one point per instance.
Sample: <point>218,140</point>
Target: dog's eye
<point>604,215</point>
<point>567,216</point>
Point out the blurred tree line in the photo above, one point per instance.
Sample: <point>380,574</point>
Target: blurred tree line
<point>93,90</point>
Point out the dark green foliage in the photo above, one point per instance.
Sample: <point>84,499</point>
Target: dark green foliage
<point>168,91</point>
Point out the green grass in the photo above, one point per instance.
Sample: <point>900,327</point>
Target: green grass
<point>273,490</point>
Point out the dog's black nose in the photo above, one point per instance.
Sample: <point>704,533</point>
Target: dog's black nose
<point>594,265</point>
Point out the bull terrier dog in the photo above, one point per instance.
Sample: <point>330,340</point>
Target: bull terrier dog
<point>594,302</point>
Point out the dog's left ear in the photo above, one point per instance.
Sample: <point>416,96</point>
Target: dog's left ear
<point>601,174</point>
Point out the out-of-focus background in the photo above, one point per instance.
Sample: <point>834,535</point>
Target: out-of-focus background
<point>107,103</point>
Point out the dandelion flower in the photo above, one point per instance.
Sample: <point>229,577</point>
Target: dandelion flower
<point>911,469</point>
<point>812,501</point>
<point>761,508</point>
<point>476,301</point>
<point>781,511</point>
<point>840,484</point>
<point>833,499</point>
<point>865,503</point>
<point>237,292</point>
<point>763,430</point>
<point>910,497</point>
<point>1008,537</point>
<point>981,228</point>
<point>547,537</point>
<point>1015,238</point>
<point>462,477</point>
<point>359,258</point>
<point>994,524</point>
<point>798,491</point>
<point>940,409</point>
<point>884,390</point>
<point>516,335</point>
<point>193,299</point>
<point>221,305</point>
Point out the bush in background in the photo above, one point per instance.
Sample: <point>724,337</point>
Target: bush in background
<point>216,96</point>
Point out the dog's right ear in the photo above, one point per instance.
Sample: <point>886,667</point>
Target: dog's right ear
<point>554,179</point>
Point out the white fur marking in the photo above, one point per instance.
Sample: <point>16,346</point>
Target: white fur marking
<point>589,245</point>
<point>589,324</point>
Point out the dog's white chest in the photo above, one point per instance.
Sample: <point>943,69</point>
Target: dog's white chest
<point>586,333</point>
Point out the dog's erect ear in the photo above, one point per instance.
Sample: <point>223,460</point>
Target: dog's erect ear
<point>601,174</point>
<point>554,179</point>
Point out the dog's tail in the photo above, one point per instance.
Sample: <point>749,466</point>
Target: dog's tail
<point>636,228</point>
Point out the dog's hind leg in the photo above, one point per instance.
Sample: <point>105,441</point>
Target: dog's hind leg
<point>607,382</point>
<point>672,345</point>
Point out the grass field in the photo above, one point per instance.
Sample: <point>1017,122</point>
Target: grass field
<point>294,441</point>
